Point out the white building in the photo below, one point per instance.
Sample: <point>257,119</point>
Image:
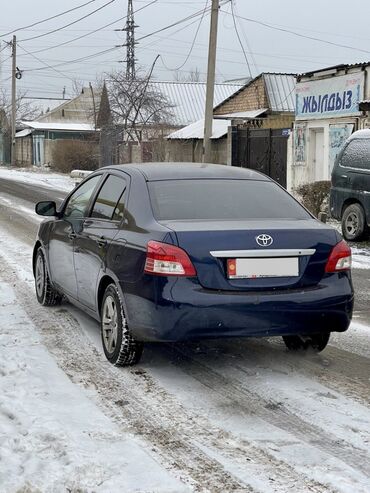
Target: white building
<point>327,112</point>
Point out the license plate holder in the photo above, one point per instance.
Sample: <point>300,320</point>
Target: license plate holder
<point>265,267</point>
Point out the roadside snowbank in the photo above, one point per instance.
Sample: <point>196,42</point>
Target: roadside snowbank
<point>52,437</point>
<point>42,178</point>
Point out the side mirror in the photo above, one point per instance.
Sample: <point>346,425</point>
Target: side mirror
<point>47,208</point>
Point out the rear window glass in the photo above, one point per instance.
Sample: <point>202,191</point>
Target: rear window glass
<point>222,199</point>
<point>357,154</point>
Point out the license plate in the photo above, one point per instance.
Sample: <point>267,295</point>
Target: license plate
<point>254,268</point>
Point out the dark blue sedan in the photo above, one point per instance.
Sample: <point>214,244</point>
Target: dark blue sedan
<point>173,252</point>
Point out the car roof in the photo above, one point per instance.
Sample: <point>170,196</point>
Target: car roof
<point>178,171</point>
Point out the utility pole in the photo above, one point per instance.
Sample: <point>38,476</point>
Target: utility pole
<point>130,42</point>
<point>208,121</point>
<point>14,89</point>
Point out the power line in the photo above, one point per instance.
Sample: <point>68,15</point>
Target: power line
<point>192,16</point>
<point>240,41</point>
<point>41,61</point>
<point>288,31</point>
<point>70,24</point>
<point>91,32</point>
<point>67,62</point>
<point>247,42</point>
<point>48,18</point>
<point>192,44</point>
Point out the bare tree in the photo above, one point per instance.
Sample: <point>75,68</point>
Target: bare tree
<point>25,109</point>
<point>194,75</point>
<point>135,104</point>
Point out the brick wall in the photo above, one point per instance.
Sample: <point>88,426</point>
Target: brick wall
<point>253,97</point>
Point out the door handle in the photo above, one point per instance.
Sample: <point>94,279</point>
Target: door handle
<point>102,242</point>
<point>343,176</point>
<point>72,236</point>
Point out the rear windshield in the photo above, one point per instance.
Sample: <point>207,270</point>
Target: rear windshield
<point>222,199</point>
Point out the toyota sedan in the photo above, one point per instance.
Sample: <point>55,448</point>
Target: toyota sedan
<point>174,252</point>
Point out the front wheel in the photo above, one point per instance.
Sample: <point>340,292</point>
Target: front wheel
<point>120,347</point>
<point>316,342</point>
<point>354,223</point>
<point>45,293</point>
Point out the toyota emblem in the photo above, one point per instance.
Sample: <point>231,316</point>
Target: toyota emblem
<point>264,240</point>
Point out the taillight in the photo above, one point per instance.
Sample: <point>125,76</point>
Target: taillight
<point>167,260</point>
<point>340,258</point>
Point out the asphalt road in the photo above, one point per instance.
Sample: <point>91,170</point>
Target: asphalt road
<point>28,194</point>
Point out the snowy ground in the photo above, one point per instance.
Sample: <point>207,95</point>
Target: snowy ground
<point>38,176</point>
<point>221,416</point>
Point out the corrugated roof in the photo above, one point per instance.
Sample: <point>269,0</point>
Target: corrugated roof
<point>341,66</point>
<point>196,130</point>
<point>188,98</point>
<point>67,127</point>
<point>281,91</point>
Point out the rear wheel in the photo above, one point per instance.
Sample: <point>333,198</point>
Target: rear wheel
<point>120,347</point>
<point>45,293</point>
<point>354,223</point>
<point>316,342</point>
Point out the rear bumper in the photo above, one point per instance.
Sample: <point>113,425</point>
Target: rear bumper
<point>165,309</point>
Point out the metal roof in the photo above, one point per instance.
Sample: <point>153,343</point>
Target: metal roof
<point>220,125</point>
<point>242,115</point>
<point>189,98</point>
<point>24,133</point>
<point>280,90</point>
<point>67,127</point>
<point>341,66</point>
<point>196,130</point>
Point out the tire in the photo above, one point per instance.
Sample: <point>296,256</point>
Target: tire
<point>354,223</point>
<point>45,293</point>
<point>120,347</point>
<point>315,342</point>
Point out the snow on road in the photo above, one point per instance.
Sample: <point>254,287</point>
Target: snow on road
<point>220,416</point>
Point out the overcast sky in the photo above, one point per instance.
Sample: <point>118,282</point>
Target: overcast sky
<point>269,50</point>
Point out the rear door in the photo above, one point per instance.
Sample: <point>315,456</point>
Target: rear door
<point>97,232</point>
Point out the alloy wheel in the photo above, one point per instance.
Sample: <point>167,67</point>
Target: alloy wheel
<point>40,276</point>
<point>110,324</point>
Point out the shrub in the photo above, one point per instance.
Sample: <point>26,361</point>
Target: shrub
<point>314,196</point>
<point>75,154</point>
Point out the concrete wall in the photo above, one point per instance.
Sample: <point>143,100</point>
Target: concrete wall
<point>23,150</point>
<point>192,151</point>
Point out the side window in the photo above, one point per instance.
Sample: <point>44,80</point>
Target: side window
<point>109,202</point>
<point>357,154</point>
<point>79,201</point>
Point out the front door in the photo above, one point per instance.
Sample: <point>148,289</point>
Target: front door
<point>63,235</point>
<point>96,235</point>
<point>321,172</point>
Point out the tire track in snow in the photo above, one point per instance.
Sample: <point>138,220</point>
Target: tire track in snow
<point>339,370</point>
<point>273,412</point>
<point>136,402</point>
